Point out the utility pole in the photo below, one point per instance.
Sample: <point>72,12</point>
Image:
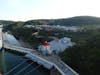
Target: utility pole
<point>3,63</point>
<point>2,53</point>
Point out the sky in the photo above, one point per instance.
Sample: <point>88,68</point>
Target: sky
<point>23,10</point>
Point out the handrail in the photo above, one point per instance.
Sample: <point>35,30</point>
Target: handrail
<point>43,61</point>
<point>24,68</point>
<point>69,67</point>
<point>15,67</point>
<point>18,47</point>
<point>40,61</point>
<point>59,69</point>
<point>32,70</point>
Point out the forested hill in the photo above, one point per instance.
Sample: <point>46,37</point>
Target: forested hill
<point>5,22</point>
<point>73,21</point>
<point>80,20</point>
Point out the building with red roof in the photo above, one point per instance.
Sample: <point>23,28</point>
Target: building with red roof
<point>45,48</point>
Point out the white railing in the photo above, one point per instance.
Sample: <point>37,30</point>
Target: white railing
<point>74,72</point>
<point>17,48</point>
<point>60,66</point>
<point>62,73</point>
<point>40,60</point>
<point>30,55</point>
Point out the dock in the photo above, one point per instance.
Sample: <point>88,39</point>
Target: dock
<point>47,61</point>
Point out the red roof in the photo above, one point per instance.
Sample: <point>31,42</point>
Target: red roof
<point>45,43</point>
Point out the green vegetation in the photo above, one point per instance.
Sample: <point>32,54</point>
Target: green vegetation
<point>25,34</point>
<point>84,57</point>
<point>6,22</point>
<point>74,21</point>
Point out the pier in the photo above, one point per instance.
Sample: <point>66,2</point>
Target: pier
<point>47,61</point>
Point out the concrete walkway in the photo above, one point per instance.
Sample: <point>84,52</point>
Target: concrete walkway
<point>63,68</point>
<point>58,64</point>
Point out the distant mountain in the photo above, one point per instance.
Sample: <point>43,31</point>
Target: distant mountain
<point>5,22</point>
<point>79,20</point>
<point>73,21</point>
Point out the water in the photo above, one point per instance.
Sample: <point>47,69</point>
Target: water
<point>8,38</point>
<point>9,60</point>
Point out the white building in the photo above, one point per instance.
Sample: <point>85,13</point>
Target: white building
<point>55,46</point>
<point>61,44</point>
<point>45,48</point>
<point>28,26</point>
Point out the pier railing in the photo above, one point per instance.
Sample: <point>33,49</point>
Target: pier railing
<point>63,68</point>
<point>40,60</point>
<point>66,69</point>
<point>18,48</point>
<point>30,55</point>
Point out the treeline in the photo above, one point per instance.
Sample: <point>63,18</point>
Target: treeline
<point>73,21</point>
<point>26,34</point>
<point>5,22</point>
<point>84,58</point>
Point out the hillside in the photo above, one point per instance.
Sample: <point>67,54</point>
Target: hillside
<point>79,20</point>
<point>5,22</point>
<point>84,57</point>
<point>73,21</point>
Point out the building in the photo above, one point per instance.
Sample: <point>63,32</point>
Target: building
<point>61,44</point>
<point>28,26</point>
<point>45,48</point>
<point>55,46</point>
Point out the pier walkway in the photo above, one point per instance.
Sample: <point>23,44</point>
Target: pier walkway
<point>54,60</point>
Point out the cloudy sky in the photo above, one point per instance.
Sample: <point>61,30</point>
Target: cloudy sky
<point>47,9</point>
